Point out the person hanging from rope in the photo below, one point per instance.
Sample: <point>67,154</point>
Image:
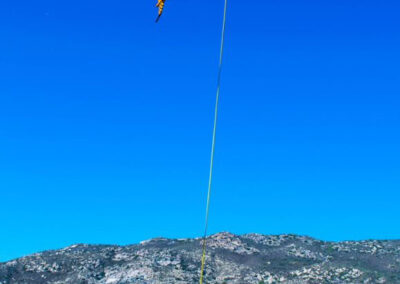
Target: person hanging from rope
<point>160,5</point>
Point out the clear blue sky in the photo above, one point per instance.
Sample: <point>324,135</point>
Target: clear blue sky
<point>106,119</point>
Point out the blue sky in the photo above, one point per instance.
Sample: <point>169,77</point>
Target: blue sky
<point>106,120</point>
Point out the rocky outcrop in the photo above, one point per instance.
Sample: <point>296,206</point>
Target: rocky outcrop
<point>250,258</point>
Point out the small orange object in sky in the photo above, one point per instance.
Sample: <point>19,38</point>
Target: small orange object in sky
<point>160,5</point>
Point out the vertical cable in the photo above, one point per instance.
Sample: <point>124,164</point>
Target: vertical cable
<point>203,258</point>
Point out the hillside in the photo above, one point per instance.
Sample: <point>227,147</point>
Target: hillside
<point>250,258</point>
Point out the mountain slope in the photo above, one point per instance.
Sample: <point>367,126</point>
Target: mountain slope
<point>248,258</point>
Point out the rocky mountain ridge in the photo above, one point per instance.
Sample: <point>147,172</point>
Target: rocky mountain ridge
<point>250,258</point>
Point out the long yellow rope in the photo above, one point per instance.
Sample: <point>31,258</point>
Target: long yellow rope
<point>203,258</point>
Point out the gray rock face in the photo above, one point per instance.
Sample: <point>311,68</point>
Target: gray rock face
<point>250,258</point>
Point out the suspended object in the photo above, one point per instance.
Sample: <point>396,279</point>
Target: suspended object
<point>160,5</point>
